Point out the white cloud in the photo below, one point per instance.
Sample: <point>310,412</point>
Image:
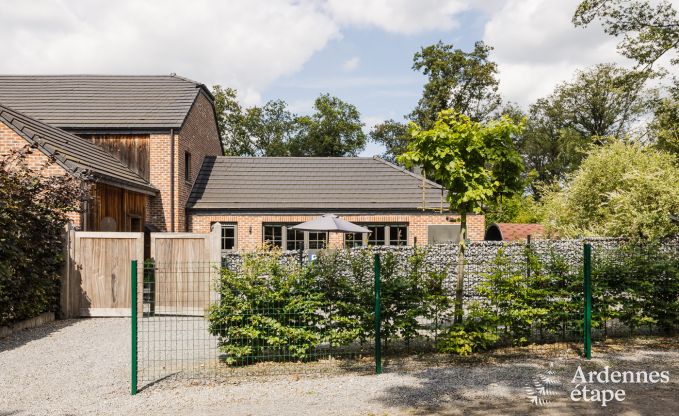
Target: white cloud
<point>398,16</point>
<point>237,43</point>
<point>537,46</point>
<point>351,63</point>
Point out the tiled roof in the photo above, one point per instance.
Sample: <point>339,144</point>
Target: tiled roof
<point>310,184</point>
<point>76,155</point>
<point>102,101</point>
<point>518,231</point>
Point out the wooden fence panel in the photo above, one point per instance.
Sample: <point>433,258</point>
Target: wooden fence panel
<point>96,275</point>
<point>96,279</point>
<point>186,268</point>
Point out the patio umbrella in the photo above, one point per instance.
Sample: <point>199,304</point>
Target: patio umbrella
<point>330,223</point>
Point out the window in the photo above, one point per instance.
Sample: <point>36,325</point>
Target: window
<point>135,224</point>
<point>273,234</point>
<point>228,237</point>
<point>352,240</point>
<point>285,237</point>
<point>386,235</point>
<point>295,239</point>
<point>187,166</point>
<point>398,235</point>
<point>317,241</point>
<point>377,235</point>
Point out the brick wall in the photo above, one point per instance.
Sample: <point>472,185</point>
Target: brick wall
<point>249,227</point>
<point>200,138</point>
<point>37,160</point>
<point>158,212</point>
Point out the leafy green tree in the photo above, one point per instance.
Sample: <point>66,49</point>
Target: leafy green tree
<point>334,129</point>
<point>476,163</point>
<point>393,136</point>
<point>601,102</point>
<point>463,81</point>
<point>231,123</point>
<point>664,128</point>
<point>518,208</point>
<point>648,29</point>
<point>620,190</point>
<point>270,128</point>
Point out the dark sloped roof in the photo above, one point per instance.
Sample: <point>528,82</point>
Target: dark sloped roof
<point>321,184</point>
<point>77,155</point>
<point>102,101</point>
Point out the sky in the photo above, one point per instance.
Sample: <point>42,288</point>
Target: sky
<point>358,50</point>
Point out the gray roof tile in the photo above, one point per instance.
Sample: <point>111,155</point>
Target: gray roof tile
<point>75,154</point>
<point>102,101</point>
<point>321,184</point>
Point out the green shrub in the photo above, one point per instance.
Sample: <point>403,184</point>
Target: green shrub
<point>638,285</point>
<point>269,308</point>
<point>478,332</point>
<point>33,213</point>
<point>347,286</point>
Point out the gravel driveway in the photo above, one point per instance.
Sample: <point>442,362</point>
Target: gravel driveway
<point>82,367</point>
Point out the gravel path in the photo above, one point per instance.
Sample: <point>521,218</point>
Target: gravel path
<point>81,367</point>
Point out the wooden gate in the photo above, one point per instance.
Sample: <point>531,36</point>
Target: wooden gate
<point>96,280</point>
<point>186,266</point>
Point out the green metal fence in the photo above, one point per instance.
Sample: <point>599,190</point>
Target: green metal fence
<point>361,311</point>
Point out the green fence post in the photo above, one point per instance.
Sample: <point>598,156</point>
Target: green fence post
<point>133,383</point>
<point>378,322</point>
<point>587,266</point>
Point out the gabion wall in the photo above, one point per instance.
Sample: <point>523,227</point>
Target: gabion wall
<point>478,258</point>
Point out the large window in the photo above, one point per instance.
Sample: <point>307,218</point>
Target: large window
<point>283,236</point>
<point>377,235</point>
<point>352,240</point>
<point>295,239</point>
<point>273,235</point>
<point>398,235</point>
<point>228,237</point>
<point>317,241</point>
<point>380,235</point>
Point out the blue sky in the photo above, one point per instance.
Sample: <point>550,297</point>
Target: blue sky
<point>358,50</point>
<point>371,69</point>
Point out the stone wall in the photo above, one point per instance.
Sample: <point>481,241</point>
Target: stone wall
<point>479,257</point>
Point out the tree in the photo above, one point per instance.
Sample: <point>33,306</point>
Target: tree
<point>649,29</point>
<point>475,162</point>
<point>517,208</point>
<point>620,190</point>
<point>270,128</point>
<point>463,81</point>
<point>335,129</point>
<point>231,123</point>
<point>601,102</point>
<point>664,128</point>
<point>393,136</point>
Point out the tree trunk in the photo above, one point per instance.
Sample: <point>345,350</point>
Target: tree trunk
<point>459,290</point>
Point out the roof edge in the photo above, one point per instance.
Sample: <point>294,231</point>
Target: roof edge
<point>404,170</point>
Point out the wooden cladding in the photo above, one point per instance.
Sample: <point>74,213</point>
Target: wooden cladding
<point>115,209</point>
<point>132,150</point>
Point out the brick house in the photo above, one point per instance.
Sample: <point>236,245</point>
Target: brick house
<point>160,127</point>
<point>121,193</point>
<point>256,200</point>
<point>164,171</point>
